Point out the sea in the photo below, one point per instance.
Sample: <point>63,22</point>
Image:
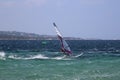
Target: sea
<point>43,60</point>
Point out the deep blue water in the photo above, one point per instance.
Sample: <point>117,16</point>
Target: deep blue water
<point>54,45</point>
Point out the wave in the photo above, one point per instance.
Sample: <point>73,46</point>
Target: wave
<point>28,55</point>
<point>2,55</point>
<point>38,57</point>
<point>62,58</point>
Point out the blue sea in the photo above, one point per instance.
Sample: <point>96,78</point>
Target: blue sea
<point>42,60</point>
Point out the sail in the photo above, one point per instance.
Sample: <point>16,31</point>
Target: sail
<point>64,46</point>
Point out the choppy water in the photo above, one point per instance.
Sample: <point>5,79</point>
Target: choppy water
<point>33,60</point>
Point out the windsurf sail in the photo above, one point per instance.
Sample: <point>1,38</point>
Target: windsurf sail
<point>64,46</point>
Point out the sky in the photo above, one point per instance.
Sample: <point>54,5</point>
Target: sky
<point>99,19</point>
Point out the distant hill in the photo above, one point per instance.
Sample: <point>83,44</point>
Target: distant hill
<point>14,35</point>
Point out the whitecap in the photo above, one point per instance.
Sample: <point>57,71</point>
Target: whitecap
<point>2,55</point>
<point>14,57</point>
<point>39,56</point>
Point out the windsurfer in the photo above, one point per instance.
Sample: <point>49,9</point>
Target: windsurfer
<point>64,46</point>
